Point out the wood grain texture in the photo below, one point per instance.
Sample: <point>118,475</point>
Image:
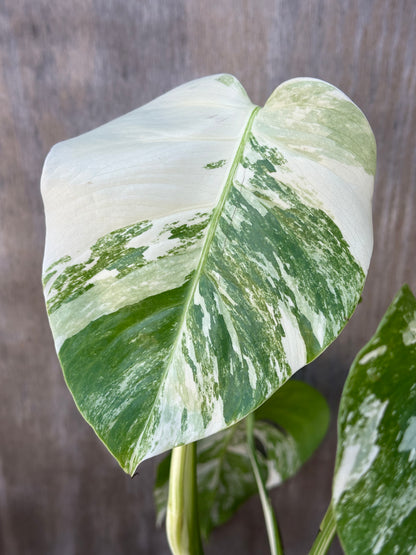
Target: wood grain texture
<point>66,67</point>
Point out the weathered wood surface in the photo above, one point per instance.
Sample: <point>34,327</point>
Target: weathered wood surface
<point>66,67</point>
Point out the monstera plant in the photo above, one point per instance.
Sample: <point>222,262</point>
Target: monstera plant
<point>199,251</point>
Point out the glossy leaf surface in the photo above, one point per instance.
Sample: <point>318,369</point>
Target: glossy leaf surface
<point>374,493</point>
<point>199,251</point>
<point>288,428</point>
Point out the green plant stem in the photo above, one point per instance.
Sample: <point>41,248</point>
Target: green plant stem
<point>325,535</point>
<point>269,516</point>
<point>182,523</point>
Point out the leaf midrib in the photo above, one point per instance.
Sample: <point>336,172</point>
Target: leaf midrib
<point>203,256</point>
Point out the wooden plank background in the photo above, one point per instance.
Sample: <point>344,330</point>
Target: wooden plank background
<point>66,67</point>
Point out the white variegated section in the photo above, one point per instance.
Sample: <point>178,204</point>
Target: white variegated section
<point>132,169</point>
<point>372,355</point>
<point>409,334</point>
<point>403,505</point>
<point>292,340</point>
<point>283,458</point>
<point>358,456</point>
<point>206,317</point>
<point>408,443</point>
<point>343,190</point>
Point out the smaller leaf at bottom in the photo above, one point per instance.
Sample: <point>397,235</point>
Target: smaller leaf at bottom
<point>287,430</point>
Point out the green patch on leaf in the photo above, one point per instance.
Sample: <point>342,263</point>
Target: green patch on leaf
<point>215,165</point>
<point>192,232</point>
<point>227,80</point>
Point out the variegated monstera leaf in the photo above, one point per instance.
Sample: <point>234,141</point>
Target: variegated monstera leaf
<point>199,251</point>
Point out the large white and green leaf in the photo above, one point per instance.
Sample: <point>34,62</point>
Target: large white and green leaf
<point>288,429</point>
<point>374,493</point>
<point>200,250</point>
